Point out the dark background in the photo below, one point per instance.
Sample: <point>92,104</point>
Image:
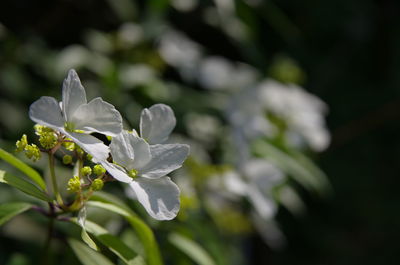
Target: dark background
<point>350,52</point>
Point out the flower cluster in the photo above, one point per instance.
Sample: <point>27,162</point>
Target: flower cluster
<point>142,161</point>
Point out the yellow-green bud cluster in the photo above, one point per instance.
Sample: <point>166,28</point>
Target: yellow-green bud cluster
<point>21,144</point>
<point>74,184</point>
<point>32,152</point>
<point>70,146</point>
<point>89,157</point>
<point>133,173</point>
<point>39,129</point>
<point>67,159</point>
<point>86,171</point>
<point>97,184</point>
<point>48,139</point>
<point>99,170</point>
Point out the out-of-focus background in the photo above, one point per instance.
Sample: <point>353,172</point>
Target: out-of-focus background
<point>212,62</point>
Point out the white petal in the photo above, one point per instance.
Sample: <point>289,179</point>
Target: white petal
<point>156,123</point>
<point>160,197</point>
<point>264,205</point>
<point>73,94</point>
<point>165,158</point>
<point>91,145</point>
<point>46,111</point>
<point>130,151</point>
<point>117,172</point>
<point>98,116</point>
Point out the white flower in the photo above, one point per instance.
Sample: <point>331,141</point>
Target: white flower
<point>302,111</point>
<point>144,167</point>
<point>74,113</point>
<point>157,123</point>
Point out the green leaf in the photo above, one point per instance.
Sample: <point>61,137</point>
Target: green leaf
<point>87,255</point>
<point>27,170</point>
<point>300,168</point>
<point>85,236</point>
<point>115,244</point>
<point>145,234</point>
<point>191,248</point>
<point>9,210</point>
<point>24,186</point>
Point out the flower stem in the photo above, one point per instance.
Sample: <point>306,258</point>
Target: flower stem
<point>50,230</point>
<point>54,180</point>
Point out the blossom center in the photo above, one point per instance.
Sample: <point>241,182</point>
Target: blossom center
<point>69,126</point>
<point>132,173</point>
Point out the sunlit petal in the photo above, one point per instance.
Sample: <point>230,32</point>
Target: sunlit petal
<point>46,111</point>
<point>165,158</point>
<point>73,94</point>
<point>157,123</point>
<point>117,172</point>
<point>98,116</point>
<point>159,197</point>
<point>91,145</point>
<point>130,151</point>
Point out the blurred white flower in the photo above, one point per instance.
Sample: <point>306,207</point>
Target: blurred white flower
<point>215,73</point>
<point>74,114</point>
<point>262,177</point>
<point>202,127</point>
<point>136,74</point>
<point>129,34</point>
<point>184,5</point>
<point>302,111</point>
<point>218,73</point>
<point>179,51</point>
<point>144,167</point>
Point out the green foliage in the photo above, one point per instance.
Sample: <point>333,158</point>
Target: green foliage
<point>114,243</point>
<point>299,167</point>
<point>191,248</point>
<point>9,210</point>
<point>87,255</point>
<point>24,168</point>
<point>145,234</point>
<point>23,186</point>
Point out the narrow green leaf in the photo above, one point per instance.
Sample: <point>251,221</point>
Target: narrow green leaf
<point>310,179</point>
<point>27,170</point>
<point>24,186</point>
<point>191,249</point>
<point>85,236</point>
<point>87,255</point>
<point>112,242</point>
<point>9,210</point>
<point>145,234</point>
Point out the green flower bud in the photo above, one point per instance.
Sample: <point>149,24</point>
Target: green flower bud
<point>79,150</point>
<point>48,140</point>
<point>99,170</point>
<point>21,144</point>
<point>89,157</point>
<point>70,146</point>
<point>32,152</point>
<point>97,184</point>
<point>67,159</point>
<point>74,184</point>
<point>133,173</point>
<point>86,171</point>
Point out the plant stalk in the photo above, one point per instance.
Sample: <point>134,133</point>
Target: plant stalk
<point>54,180</point>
